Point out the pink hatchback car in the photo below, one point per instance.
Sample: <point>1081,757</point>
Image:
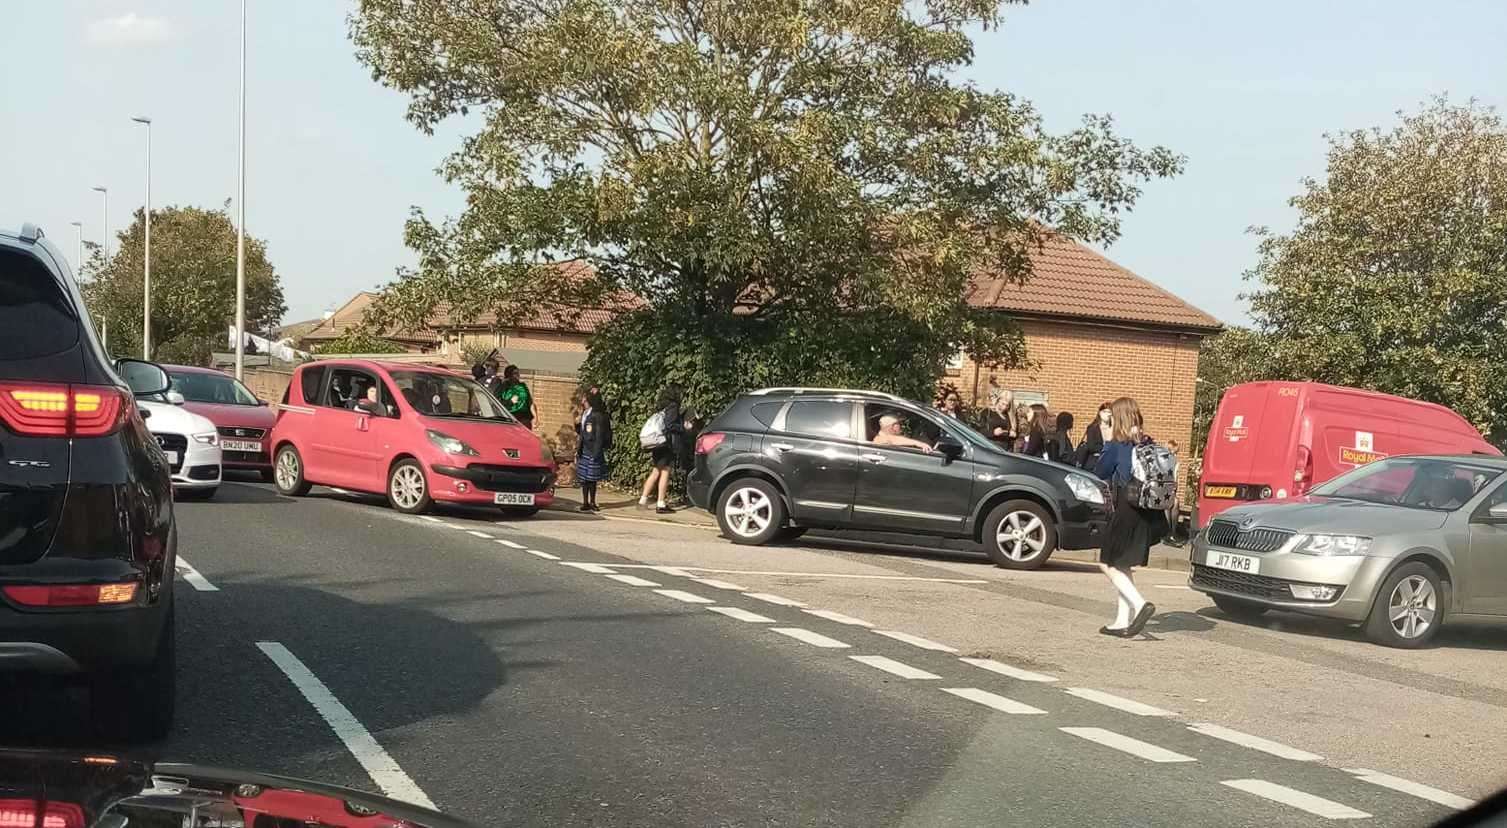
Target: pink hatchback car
<point>414,433</point>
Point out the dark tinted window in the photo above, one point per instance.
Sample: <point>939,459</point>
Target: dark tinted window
<point>313,378</point>
<point>36,316</point>
<point>765,412</point>
<point>820,419</point>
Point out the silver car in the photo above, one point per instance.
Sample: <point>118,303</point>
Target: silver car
<point>1398,545</point>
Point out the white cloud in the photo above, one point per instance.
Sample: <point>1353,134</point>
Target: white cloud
<point>130,29</point>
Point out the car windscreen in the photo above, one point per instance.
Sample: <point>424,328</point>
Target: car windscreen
<point>36,316</point>
<point>210,388</point>
<point>1438,484</point>
<point>446,395</point>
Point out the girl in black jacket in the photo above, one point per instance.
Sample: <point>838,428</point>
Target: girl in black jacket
<point>593,440</point>
<point>1094,437</point>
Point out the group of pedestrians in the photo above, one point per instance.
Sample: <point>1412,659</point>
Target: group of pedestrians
<point>1035,430</point>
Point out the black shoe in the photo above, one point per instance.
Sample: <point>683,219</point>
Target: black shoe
<point>595,508</point>
<point>664,510</point>
<point>1138,623</point>
<point>585,507</point>
<point>1117,633</point>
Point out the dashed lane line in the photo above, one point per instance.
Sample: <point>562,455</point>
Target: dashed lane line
<point>676,571</point>
<point>195,580</point>
<point>716,584</point>
<point>1117,702</point>
<point>917,641</point>
<point>1125,744</point>
<point>889,665</point>
<point>1255,743</point>
<point>1316,805</point>
<point>681,595</point>
<point>812,638</point>
<point>545,555</point>
<point>995,701</point>
<point>595,569</point>
<point>1006,670</point>
<point>379,765</point>
<point>475,534</point>
<point>633,580</point>
<point>773,599</point>
<point>1411,788</point>
<point>838,617</point>
<point>511,544</point>
<point>742,615</point>
<point>687,571</point>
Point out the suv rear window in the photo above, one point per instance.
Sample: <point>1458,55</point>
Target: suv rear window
<point>765,412</point>
<point>820,419</point>
<point>36,316</point>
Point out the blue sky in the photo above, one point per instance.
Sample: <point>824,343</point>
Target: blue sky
<point>1245,90</point>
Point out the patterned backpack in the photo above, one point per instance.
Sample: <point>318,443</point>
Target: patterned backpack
<point>1153,476</point>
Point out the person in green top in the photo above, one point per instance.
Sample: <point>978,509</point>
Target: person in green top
<point>516,397</point>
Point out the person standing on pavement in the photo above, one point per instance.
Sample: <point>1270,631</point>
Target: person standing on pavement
<point>1132,530</point>
<point>999,424</point>
<point>516,397</point>
<point>663,455</point>
<point>952,405</point>
<point>593,440</point>
<point>1039,436</point>
<point>1094,437</point>
<point>1062,450</point>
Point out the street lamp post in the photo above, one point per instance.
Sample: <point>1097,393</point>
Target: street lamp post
<point>104,221</point>
<point>78,231</point>
<point>240,231</point>
<point>146,250</point>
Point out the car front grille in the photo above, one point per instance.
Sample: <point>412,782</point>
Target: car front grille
<point>1259,586</point>
<point>245,457</point>
<point>234,432</point>
<point>1227,535</point>
<point>493,478</point>
<point>175,443</point>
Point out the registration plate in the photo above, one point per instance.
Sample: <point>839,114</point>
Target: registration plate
<point>1235,563</point>
<point>1219,491</point>
<point>513,499</point>
<point>252,446</point>
<point>172,457</point>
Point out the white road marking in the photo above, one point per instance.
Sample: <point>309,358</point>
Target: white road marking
<point>1006,670</point>
<point>1134,747</point>
<point>774,599</point>
<point>688,597</point>
<point>716,584</point>
<point>193,577</point>
<point>632,580</point>
<point>475,533</point>
<point>1255,743</point>
<point>358,740</point>
<point>672,570</point>
<point>1118,703</point>
<point>1417,789</point>
<point>814,639</point>
<point>510,544</point>
<point>839,618</point>
<point>742,615</point>
<point>595,569</point>
<point>430,518</point>
<point>685,570</point>
<point>1316,805</point>
<point>1172,586</point>
<point>889,665</point>
<point>995,701</point>
<point>917,641</point>
<point>545,555</point>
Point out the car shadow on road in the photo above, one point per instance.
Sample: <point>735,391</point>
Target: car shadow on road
<point>235,492</point>
<point>1452,636</point>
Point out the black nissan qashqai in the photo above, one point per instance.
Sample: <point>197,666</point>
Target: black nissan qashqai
<point>87,538</point>
<point>783,460</point>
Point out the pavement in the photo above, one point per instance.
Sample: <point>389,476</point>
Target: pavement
<point>571,669</point>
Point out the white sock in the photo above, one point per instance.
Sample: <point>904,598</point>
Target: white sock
<point>1126,587</point>
<point>1122,614</point>
<point>643,501</point>
<point>660,504</point>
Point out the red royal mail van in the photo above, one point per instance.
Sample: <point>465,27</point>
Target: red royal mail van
<point>1278,439</point>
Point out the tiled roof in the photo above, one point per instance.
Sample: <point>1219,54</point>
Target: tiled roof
<point>555,318</point>
<point>349,315</point>
<point>1069,280</point>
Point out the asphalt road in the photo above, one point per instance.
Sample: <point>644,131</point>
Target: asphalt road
<point>508,686</point>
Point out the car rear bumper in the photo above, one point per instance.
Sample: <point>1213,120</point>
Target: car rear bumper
<point>699,490</point>
<point>80,641</point>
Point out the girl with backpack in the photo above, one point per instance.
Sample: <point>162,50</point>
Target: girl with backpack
<point>661,435</point>
<point>1132,530</point>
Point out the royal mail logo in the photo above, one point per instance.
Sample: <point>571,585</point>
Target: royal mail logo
<point>1235,435</point>
<point>1357,457</point>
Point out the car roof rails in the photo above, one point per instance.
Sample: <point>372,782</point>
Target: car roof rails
<point>850,392</point>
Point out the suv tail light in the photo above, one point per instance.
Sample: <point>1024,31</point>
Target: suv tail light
<point>23,813</point>
<point>708,441</point>
<point>70,595</point>
<point>55,410</point>
<point>1302,476</point>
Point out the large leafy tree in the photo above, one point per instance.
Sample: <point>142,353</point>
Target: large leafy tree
<point>1395,277</point>
<point>193,286</point>
<point>1232,356</point>
<point>799,190</point>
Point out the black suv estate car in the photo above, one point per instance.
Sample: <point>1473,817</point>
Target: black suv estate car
<point>782,460</point>
<point>87,537</point>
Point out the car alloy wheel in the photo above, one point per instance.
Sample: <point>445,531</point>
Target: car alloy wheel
<point>748,511</point>
<point>407,487</point>
<point>287,471</point>
<point>1022,536</point>
<point>1412,607</point>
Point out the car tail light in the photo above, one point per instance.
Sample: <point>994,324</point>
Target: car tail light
<point>53,410</point>
<point>70,595</point>
<point>22,813</point>
<point>708,441</point>
<point>1302,476</point>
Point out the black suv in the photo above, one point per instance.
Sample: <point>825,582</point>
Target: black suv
<point>87,538</point>
<point>782,460</point>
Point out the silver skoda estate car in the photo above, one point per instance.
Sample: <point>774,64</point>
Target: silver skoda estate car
<point>1398,545</point>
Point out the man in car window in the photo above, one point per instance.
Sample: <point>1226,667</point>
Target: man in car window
<point>369,403</point>
<point>889,435</point>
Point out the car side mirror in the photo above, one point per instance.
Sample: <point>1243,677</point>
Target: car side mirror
<point>261,402</point>
<point>145,413</point>
<point>144,378</point>
<point>175,398</point>
<point>949,447</point>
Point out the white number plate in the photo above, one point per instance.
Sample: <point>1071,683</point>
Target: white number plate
<point>1236,563</point>
<point>252,446</point>
<point>172,457</point>
<point>513,499</point>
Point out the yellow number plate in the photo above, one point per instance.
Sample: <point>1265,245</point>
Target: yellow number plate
<point>1219,491</point>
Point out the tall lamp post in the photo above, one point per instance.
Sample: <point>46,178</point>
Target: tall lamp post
<point>78,231</point>
<point>104,221</point>
<point>146,250</point>
<point>240,230</point>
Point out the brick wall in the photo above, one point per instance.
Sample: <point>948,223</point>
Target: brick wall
<point>267,383</point>
<point>1079,366</point>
